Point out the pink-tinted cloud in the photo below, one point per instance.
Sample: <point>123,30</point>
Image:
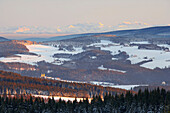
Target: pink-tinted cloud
<point>100,24</point>
<point>136,22</point>
<point>123,26</point>
<point>59,30</point>
<point>127,22</point>
<point>146,24</point>
<point>71,26</point>
<point>141,23</point>
<point>22,29</point>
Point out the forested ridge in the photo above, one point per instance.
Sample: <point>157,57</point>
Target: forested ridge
<point>13,83</point>
<point>155,101</point>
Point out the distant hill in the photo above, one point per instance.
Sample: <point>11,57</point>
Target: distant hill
<point>8,48</point>
<point>152,32</point>
<point>58,37</point>
<point>3,39</point>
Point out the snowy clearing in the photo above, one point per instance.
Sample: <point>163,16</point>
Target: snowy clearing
<point>102,68</point>
<point>44,53</point>
<point>160,58</point>
<point>140,42</point>
<point>107,84</point>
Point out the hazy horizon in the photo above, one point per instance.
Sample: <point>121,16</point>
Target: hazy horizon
<point>77,16</point>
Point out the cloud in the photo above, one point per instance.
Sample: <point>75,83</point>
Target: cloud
<point>59,30</point>
<point>136,22</point>
<point>146,24</point>
<point>141,23</point>
<point>123,26</point>
<point>22,29</point>
<point>71,26</point>
<point>101,25</point>
<point>127,22</point>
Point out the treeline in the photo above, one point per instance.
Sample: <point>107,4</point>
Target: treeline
<point>13,83</point>
<point>9,48</point>
<point>156,101</point>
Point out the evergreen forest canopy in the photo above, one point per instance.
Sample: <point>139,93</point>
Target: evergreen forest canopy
<point>155,101</point>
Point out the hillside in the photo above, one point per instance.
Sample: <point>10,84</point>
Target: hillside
<point>9,48</point>
<point>12,83</point>
<point>2,39</point>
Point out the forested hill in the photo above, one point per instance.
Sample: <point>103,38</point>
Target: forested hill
<point>12,83</point>
<point>3,39</point>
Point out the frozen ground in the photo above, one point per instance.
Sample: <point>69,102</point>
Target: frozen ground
<point>44,53</point>
<point>141,42</point>
<point>160,58</point>
<point>102,68</point>
<point>107,84</point>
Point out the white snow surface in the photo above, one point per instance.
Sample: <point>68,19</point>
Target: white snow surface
<point>108,84</point>
<point>164,45</point>
<point>140,42</point>
<point>44,53</point>
<point>104,43</point>
<point>160,58</point>
<point>102,68</point>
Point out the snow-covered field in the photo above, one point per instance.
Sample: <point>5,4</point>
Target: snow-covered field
<point>160,58</point>
<point>141,42</point>
<point>102,68</point>
<point>108,84</point>
<point>44,53</point>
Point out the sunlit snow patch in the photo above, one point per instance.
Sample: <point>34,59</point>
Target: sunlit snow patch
<point>102,68</point>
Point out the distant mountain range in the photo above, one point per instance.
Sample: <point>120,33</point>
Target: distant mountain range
<point>151,32</point>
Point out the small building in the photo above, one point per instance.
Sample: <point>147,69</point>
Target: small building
<point>163,83</point>
<point>42,75</point>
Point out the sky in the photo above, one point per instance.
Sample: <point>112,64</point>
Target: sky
<point>59,13</point>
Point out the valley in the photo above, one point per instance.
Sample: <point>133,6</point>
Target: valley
<point>119,58</point>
